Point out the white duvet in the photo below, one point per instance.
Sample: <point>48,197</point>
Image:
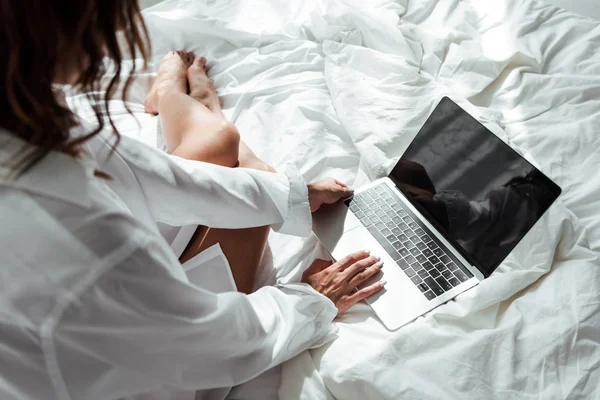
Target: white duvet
<point>340,88</point>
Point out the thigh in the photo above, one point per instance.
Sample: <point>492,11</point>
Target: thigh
<point>243,248</point>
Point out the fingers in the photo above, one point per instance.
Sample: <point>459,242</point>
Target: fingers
<point>362,275</point>
<point>340,183</point>
<point>360,266</point>
<point>351,259</point>
<point>365,292</point>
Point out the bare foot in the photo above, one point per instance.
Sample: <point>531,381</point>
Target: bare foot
<point>201,87</point>
<point>171,75</point>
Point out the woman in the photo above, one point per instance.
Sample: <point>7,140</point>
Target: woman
<point>94,304</point>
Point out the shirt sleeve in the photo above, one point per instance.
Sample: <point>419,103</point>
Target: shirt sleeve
<point>185,192</point>
<point>144,327</point>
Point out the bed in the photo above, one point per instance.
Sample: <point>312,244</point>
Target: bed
<point>340,88</point>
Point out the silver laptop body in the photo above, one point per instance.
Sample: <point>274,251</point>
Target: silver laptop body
<point>452,153</point>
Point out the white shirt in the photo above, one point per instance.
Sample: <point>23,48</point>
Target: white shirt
<point>94,304</point>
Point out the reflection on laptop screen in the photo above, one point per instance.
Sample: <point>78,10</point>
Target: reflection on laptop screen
<point>479,193</point>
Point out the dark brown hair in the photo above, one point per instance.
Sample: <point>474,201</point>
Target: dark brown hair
<point>40,36</point>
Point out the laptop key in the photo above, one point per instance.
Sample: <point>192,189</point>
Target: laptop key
<point>391,238</point>
<point>447,274</point>
<point>390,225</point>
<point>432,245</point>
<point>360,203</point>
<point>403,264</point>
<point>435,288</point>
<point>354,207</point>
<point>443,283</point>
<point>421,246</point>
<point>397,232</point>
<point>438,252</point>
<point>434,260</point>
<point>386,208</point>
<point>427,252</point>
<point>397,220</point>
<point>397,245</point>
<point>428,266</point>
<point>366,221</point>
<point>416,266</point>
<point>453,281</point>
<point>415,252</point>
<point>413,225</point>
<point>397,207</point>
<point>386,232</point>
<point>419,232</point>
<point>445,259</point>
<point>416,279</point>
<point>379,189</point>
<point>423,287</point>
<point>409,272</point>
<point>359,214</point>
<point>421,258</point>
<point>369,213</point>
<point>409,245</point>
<point>460,275</point>
<point>407,219</point>
<point>402,237</point>
<point>434,272</point>
<point>391,214</point>
<point>384,243</point>
<point>384,218</point>
<point>452,267</point>
<point>403,226</point>
<point>402,213</point>
<point>430,295</point>
<point>414,239</point>
<point>423,273</point>
<point>403,252</point>
<point>379,226</point>
<point>409,259</point>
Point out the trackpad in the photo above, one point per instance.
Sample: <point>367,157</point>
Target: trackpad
<point>400,301</point>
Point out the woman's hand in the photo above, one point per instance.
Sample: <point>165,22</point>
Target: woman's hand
<point>327,191</point>
<point>337,281</point>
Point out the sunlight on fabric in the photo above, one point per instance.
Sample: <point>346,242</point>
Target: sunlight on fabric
<point>496,42</point>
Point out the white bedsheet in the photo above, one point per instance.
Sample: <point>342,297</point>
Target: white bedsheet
<point>340,88</point>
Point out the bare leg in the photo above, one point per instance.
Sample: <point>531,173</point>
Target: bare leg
<point>195,132</point>
<point>203,90</point>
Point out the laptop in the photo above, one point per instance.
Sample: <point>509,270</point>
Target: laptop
<point>454,206</point>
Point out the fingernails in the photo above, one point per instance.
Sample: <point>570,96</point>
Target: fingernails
<point>367,251</point>
<point>379,264</point>
<point>377,258</point>
<point>382,283</point>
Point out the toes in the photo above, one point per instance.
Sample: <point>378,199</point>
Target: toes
<point>190,59</point>
<point>201,61</point>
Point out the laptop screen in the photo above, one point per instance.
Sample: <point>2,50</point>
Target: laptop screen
<point>478,192</point>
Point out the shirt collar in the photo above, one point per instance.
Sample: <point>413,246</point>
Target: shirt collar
<point>57,175</point>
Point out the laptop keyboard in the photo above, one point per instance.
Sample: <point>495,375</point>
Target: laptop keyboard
<point>418,253</point>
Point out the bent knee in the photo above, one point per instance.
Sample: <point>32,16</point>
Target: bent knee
<point>228,139</point>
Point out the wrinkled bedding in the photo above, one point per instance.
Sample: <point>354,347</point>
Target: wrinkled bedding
<point>340,88</point>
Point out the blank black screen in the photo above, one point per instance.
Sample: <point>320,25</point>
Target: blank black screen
<point>480,194</point>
